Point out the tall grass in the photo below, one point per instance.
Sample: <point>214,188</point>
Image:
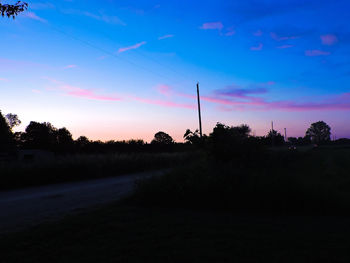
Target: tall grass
<point>316,181</point>
<point>80,167</point>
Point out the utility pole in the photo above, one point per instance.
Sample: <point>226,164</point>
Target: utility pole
<point>272,134</point>
<point>285,134</point>
<point>199,112</point>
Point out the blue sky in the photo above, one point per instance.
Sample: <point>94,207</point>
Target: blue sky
<point>112,70</point>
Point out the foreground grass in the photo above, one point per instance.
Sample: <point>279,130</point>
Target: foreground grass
<point>271,210</point>
<point>134,234</point>
<point>81,167</point>
<point>306,182</point>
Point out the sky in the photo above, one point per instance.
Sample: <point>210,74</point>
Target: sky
<point>119,70</point>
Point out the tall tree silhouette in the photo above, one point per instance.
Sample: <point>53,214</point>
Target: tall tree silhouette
<point>12,120</point>
<point>13,10</point>
<point>40,135</point>
<point>162,138</point>
<point>319,132</point>
<point>64,140</point>
<point>6,136</point>
<point>276,137</point>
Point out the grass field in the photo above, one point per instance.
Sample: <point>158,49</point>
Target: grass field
<point>134,234</point>
<point>316,181</point>
<point>81,167</point>
<point>285,207</point>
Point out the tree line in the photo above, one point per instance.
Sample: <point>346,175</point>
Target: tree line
<point>47,137</point>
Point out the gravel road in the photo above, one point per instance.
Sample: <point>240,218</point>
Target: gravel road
<point>32,206</point>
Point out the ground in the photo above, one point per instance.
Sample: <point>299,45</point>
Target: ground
<point>119,233</point>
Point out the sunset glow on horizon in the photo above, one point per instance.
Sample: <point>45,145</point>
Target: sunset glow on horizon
<point>117,71</point>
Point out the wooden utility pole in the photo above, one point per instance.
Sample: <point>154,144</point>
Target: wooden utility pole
<point>272,134</point>
<point>285,134</point>
<point>199,112</point>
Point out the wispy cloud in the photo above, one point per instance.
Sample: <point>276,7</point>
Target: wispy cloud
<point>102,57</point>
<point>238,92</point>
<point>276,37</point>
<point>87,94</point>
<point>258,33</point>
<point>78,92</point>
<point>39,6</point>
<point>4,80</point>
<point>165,103</point>
<point>105,18</point>
<point>101,16</point>
<point>316,52</point>
<point>235,97</point>
<point>70,66</point>
<point>212,25</point>
<point>165,90</point>
<point>329,40</point>
<point>33,16</point>
<point>165,36</point>
<point>123,49</point>
<point>285,46</point>
<point>230,31</point>
<point>257,48</point>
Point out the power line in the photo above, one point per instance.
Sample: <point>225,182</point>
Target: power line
<point>87,43</point>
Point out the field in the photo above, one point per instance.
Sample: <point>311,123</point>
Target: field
<point>285,207</point>
<point>84,166</point>
<point>314,181</point>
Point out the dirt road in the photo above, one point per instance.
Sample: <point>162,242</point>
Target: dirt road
<point>23,208</point>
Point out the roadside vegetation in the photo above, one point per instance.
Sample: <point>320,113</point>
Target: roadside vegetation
<point>84,166</point>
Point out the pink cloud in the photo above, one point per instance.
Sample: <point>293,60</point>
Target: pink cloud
<point>123,49</point>
<point>33,16</point>
<point>276,37</point>
<point>258,33</point>
<point>337,102</point>
<point>165,90</point>
<point>329,40</point>
<point>315,53</point>
<point>70,66</point>
<point>4,79</point>
<point>165,37</point>
<point>15,65</point>
<point>164,103</point>
<point>87,94</point>
<point>257,48</point>
<point>36,91</point>
<point>243,99</point>
<point>212,25</point>
<point>79,92</point>
<point>285,46</point>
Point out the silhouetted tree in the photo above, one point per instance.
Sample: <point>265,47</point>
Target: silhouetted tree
<point>319,132</point>
<point>232,143</point>
<point>6,136</point>
<point>64,140</point>
<point>162,138</point>
<point>275,137</point>
<point>192,137</point>
<point>40,136</point>
<point>12,120</point>
<point>13,10</point>
<point>82,143</point>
